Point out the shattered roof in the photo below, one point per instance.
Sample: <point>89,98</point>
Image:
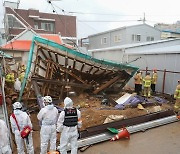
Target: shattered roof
<point>56,67</point>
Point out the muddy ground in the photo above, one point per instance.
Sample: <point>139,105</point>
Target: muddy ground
<point>93,113</point>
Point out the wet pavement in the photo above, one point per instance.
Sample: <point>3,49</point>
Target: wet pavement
<point>160,140</point>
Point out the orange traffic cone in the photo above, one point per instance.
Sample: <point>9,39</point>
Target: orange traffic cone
<point>123,134</point>
<point>178,117</point>
<point>53,152</point>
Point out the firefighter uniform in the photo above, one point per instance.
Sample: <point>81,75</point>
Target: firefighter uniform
<point>147,85</point>
<point>10,78</point>
<point>177,97</point>
<point>21,76</point>
<point>138,82</point>
<point>154,80</point>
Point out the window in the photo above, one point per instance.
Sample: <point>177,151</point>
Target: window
<point>136,37</point>
<point>47,26</point>
<point>150,38</point>
<point>3,36</point>
<point>13,22</point>
<point>104,40</point>
<point>117,38</point>
<point>36,25</point>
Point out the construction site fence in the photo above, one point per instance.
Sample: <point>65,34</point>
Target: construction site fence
<point>167,78</point>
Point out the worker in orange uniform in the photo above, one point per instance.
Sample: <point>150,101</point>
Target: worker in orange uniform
<point>138,82</point>
<point>154,80</point>
<point>177,97</point>
<point>147,85</point>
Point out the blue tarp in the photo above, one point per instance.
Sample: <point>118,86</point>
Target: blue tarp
<point>134,101</point>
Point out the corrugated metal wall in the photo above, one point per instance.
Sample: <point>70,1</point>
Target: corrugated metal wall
<point>170,62</point>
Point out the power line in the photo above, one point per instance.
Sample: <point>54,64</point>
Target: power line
<point>107,20</point>
<point>104,14</point>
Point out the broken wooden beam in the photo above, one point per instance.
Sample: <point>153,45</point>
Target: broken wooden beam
<point>64,83</point>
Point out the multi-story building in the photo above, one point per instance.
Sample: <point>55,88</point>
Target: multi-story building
<point>18,20</point>
<point>2,36</point>
<point>169,30</point>
<point>124,35</point>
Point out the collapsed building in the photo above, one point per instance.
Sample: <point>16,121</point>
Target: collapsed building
<point>54,70</point>
<point>59,70</point>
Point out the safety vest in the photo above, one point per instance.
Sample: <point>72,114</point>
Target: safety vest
<point>10,78</point>
<point>147,81</point>
<point>21,76</point>
<point>71,118</point>
<point>177,94</point>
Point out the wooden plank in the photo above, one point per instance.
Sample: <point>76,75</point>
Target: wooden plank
<point>82,67</point>
<point>57,61</point>
<point>78,60</point>
<point>49,52</point>
<point>43,54</point>
<point>37,61</point>
<point>102,87</point>
<point>72,74</point>
<point>55,82</point>
<point>74,64</point>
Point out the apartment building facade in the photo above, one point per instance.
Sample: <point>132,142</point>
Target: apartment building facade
<point>18,20</point>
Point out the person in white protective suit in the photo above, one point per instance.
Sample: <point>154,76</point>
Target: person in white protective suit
<point>17,85</point>
<point>23,120</point>
<point>4,139</point>
<point>68,123</point>
<point>48,117</point>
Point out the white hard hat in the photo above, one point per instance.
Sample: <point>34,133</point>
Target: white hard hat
<point>47,99</point>
<point>68,102</point>
<point>17,105</point>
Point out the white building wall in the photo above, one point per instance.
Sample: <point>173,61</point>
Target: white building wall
<point>144,31</point>
<point>168,60</point>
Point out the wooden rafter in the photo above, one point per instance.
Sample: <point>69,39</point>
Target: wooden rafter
<point>107,84</point>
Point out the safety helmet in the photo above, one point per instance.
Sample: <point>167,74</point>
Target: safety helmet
<point>68,102</point>
<point>154,69</point>
<point>47,99</point>
<point>147,73</point>
<point>17,105</point>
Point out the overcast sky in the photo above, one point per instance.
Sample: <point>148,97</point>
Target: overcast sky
<point>95,16</point>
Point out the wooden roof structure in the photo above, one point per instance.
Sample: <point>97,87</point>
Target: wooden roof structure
<point>58,69</point>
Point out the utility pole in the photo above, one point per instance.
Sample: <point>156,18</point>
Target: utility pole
<point>18,2</point>
<point>144,19</point>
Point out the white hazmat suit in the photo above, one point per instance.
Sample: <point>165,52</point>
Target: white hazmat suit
<point>48,116</point>
<point>17,85</point>
<point>69,134</point>
<point>4,139</point>
<point>23,120</point>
